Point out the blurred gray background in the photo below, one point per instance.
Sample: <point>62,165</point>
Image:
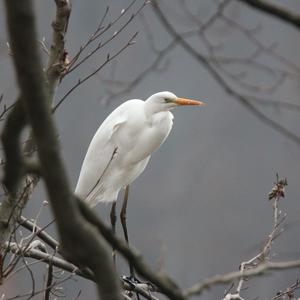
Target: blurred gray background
<point>200,208</point>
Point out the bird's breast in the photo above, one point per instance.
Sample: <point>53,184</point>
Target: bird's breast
<point>144,138</point>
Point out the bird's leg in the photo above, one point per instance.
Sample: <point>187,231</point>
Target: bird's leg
<point>123,222</point>
<point>113,220</point>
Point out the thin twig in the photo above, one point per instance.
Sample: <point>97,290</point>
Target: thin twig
<point>197,289</point>
<point>289,291</point>
<point>49,281</point>
<point>100,30</point>
<point>101,45</point>
<point>257,265</point>
<point>164,283</point>
<point>81,81</point>
<point>40,256</point>
<point>40,232</point>
<point>223,83</point>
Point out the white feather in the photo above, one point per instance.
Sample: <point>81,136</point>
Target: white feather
<point>121,148</point>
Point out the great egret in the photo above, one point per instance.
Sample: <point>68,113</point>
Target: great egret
<point>121,148</point>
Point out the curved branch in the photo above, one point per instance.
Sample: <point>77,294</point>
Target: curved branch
<point>80,242</point>
<point>40,232</point>
<point>13,170</point>
<point>275,10</point>
<point>109,58</point>
<point>197,289</point>
<point>56,63</point>
<point>51,260</point>
<point>219,79</point>
<point>163,282</point>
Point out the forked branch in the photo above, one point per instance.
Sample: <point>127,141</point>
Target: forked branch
<point>79,240</point>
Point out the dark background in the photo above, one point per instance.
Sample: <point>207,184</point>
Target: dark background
<point>200,208</point>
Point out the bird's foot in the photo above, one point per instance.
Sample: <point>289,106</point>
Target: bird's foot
<point>132,279</point>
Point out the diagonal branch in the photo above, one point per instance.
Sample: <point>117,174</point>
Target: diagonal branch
<point>163,282</point>
<point>13,170</point>
<point>109,58</point>
<point>197,289</point>
<point>54,261</point>
<point>40,232</point>
<point>12,206</point>
<point>56,63</point>
<point>49,259</point>
<point>219,79</point>
<point>81,243</point>
<point>275,10</point>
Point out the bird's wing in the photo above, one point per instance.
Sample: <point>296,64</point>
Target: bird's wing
<point>99,156</point>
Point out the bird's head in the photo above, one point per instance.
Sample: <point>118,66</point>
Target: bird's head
<point>166,100</point>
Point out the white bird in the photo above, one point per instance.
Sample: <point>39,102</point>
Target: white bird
<point>121,148</point>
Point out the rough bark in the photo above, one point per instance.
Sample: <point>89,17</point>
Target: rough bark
<point>80,241</point>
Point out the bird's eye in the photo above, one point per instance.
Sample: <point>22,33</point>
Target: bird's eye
<point>167,100</point>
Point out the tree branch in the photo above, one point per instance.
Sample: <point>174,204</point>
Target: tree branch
<point>109,58</point>
<point>275,10</point>
<point>197,289</point>
<point>13,170</point>
<point>275,195</point>
<point>219,79</point>
<point>33,253</point>
<point>42,234</point>
<point>163,282</point>
<point>49,259</point>
<point>80,242</point>
<point>56,63</point>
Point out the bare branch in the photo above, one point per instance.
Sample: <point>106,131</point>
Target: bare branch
<point>101,29</point>
<point>275,195</point>
<point>273,103</point>
<point>56,63</point>
<point>244,101</point>
<point>80,241</point>
<point>289,291</point>
<point>49,281</point>
<point>258,264</point>
<point>275,10</point>
<point>260,47</point>
<point>13,170</point>
<point>45,237</point>
<point>160,56</point>
<point>49,259</point>
<point>163,282</point>
<point>8,205</point>
<point>81,81</point>
<point>197,289</point>
<point>74,66</point>
<point>33,253</point>
<point>40,232</point>
<point>5,109</point>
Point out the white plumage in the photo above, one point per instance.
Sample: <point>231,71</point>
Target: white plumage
<point>121,148</point>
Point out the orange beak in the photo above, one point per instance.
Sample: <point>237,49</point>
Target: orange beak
<point>183,101</point>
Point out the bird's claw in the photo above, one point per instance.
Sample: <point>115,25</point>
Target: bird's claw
<point>132,280</point>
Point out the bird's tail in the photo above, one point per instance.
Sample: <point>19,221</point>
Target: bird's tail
<point>96,198</point>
